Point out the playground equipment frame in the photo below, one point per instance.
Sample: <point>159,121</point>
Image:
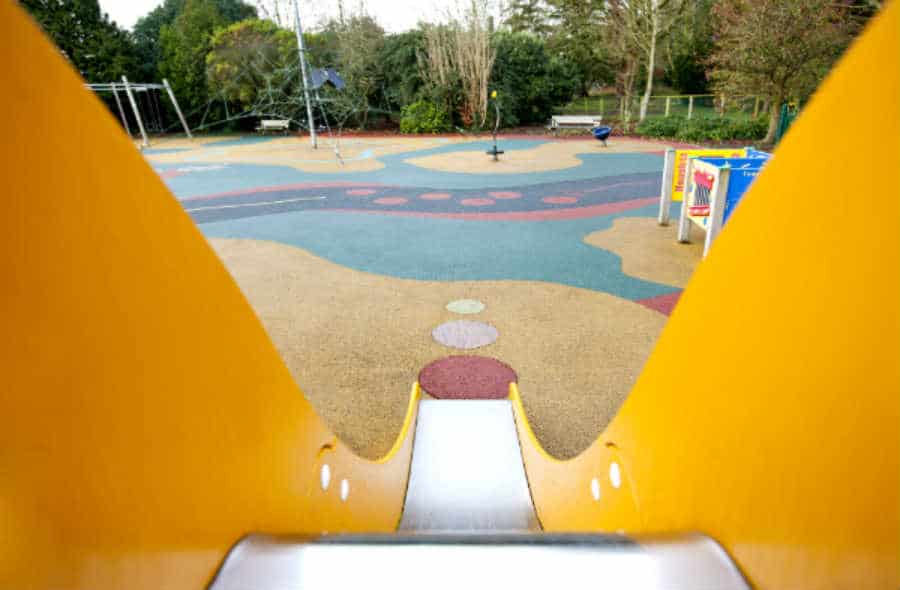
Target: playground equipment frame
<point>130,88</point>
<point>729,180</point>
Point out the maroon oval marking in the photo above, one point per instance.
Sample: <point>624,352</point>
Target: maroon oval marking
<point>467,377</point>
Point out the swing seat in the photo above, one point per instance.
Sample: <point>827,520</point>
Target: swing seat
<point>601,133</point>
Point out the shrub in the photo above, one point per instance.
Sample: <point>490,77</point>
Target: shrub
<point>424,117</point>
<point>700,129</point>
<point>659,127</point>
<point>750,128</point>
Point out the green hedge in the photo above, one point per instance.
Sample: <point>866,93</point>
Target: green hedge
<point>424,117</point>
<point>703,128</point>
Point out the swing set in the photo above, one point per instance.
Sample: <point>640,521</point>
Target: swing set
<point>149,94</point>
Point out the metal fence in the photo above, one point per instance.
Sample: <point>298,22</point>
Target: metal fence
<point>688,105</point>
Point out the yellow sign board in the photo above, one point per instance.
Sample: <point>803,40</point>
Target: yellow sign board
<point>681,159</point>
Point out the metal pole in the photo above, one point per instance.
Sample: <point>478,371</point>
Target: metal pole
<point>177,109</point>
<point>302,51</point>
<point>137,114</point>
<point>668,102</point>
<point>665,197</point>
<point>684,224</point>
<point>121,110</point>
<point>717,207</point>
<point>690,106</point>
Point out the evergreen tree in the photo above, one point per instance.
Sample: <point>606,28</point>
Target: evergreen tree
<point>578,36</point>
<point>184,45</point>
<point>528,16</point>
<point>96,46</point>
<point>148,28</point>
<point>399,61</point>
<point>689,47</point>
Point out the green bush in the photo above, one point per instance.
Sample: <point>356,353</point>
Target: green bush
<point>659,127</point>
<point>424,117</point>
<point>750,128</point>
<point>700,129</point>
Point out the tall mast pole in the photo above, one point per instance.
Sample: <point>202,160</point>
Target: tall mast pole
<point>302,51</point>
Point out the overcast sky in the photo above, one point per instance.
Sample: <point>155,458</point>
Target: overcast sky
<point>393,15</point>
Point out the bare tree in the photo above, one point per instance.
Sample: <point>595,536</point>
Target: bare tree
<point>645,23</point>
<point>281,11</point>
<point>474,58</point>
<point>624,55</point>
<point>277,11</point>
<point>436,64</point>
<point>460,52</point>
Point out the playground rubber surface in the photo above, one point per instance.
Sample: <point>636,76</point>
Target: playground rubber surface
<point>550,267</point>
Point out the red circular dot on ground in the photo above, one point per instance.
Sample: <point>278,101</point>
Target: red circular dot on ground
<point>434,196</point>
<point>361,192</point>
<point>467,377</point>
<point>477,202</point>
<point>560,200</point>
<point>506,195</point>
<point>390,201</point>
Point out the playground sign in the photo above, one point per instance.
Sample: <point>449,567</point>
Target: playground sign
<point>681,160</point>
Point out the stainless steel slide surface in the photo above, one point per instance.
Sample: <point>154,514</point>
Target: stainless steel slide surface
<point>467,472</point>
<point>450,561</point>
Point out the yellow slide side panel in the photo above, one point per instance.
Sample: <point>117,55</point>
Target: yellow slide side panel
<point>768,414</point>
<point>146,421</point>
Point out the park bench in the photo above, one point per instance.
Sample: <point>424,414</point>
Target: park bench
<point>283,125</point>
<point>558,122</point>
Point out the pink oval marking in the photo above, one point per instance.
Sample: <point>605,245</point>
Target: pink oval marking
<point>434,196</point>
<point>465,334</point>
<point>477,202</point>
<point>361,192</point>
<point>560,200</point>
<point>505,195</point>
<point>391,201</point>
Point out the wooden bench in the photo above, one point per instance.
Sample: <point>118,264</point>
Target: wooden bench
<point>283,125</point>
<point>558,122</point>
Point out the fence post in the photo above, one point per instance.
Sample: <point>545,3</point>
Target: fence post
<point>722,106</point>
<point>668,100</point>
<point>690,106</point>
